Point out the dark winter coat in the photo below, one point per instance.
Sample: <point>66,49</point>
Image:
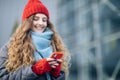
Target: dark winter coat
<point>24,73</point>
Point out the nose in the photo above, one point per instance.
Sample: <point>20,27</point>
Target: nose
<point>40,22</point>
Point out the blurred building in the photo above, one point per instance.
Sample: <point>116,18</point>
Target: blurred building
<point>91,31</point>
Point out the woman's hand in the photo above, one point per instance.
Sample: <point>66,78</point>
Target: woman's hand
<point>46,65</point>
<point>41,67</point>
<point>55,65</point>
<point>54,62</point>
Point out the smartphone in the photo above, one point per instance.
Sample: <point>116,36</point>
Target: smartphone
<point>57,55</point>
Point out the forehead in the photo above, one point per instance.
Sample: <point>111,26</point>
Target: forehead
<point>40,15</point>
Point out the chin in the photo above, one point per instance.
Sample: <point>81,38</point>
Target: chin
<point>40,31</point>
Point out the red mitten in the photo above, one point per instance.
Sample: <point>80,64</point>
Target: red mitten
<point>41,67</point>
<point>56,71</point>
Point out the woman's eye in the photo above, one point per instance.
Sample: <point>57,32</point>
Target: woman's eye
<point>35,19</point>
<point>44,20</point>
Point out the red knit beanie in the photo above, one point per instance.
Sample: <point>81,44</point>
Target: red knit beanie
<point>33,7</point>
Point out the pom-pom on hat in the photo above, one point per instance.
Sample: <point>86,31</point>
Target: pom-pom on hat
<point>33,7</point>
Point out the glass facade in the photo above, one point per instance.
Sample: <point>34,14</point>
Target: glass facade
<point>91,31</point>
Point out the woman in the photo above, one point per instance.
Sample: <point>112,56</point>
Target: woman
<point>27,55</point>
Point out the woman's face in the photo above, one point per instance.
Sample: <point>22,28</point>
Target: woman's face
<point>39,23</point>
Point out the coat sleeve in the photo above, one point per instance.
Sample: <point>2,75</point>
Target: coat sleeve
<point>61,77</point>
<point>24,73</point>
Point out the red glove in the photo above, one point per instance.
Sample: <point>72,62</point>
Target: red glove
<point>41,67</point>
<point>56,71</point>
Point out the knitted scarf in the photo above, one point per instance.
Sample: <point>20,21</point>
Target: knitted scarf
<point>42,43</point>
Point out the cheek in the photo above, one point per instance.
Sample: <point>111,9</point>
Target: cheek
<point>34,23</point>
<point>45,24</point>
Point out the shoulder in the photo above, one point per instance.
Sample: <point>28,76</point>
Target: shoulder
<point>4,50</point>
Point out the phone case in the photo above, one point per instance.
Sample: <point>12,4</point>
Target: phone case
<point>57,55</point>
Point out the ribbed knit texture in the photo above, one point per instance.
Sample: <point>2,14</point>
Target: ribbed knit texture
<point>33,7</point>
<point>41,67</point>
<point>41,42</point>
<point>56,71</point>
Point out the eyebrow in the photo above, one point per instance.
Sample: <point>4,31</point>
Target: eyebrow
<point>44,18</point>
<point>39,17</point>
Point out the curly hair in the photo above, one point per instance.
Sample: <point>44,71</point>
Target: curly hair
<point>21,48</point>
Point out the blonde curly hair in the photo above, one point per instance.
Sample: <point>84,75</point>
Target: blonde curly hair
<point>21,48</point>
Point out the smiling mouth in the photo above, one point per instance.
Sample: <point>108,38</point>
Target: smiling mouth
<point>39,27</point>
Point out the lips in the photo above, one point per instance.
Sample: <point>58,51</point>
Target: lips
<point>39,27</point>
